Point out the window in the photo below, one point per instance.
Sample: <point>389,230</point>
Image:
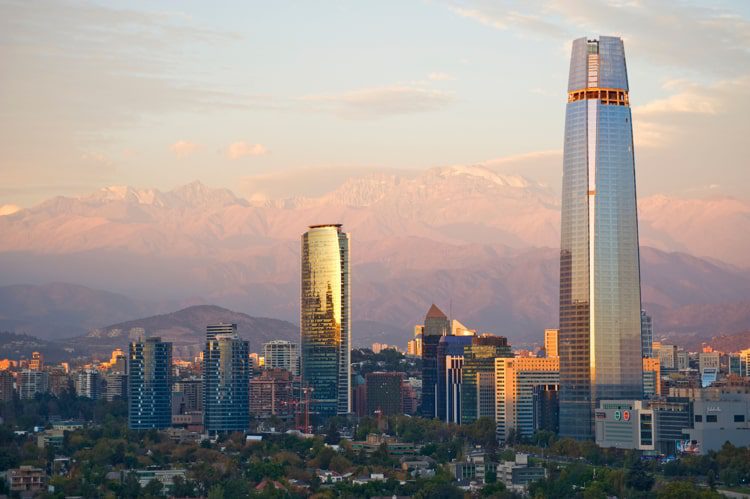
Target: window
<point>739,418</point>
<point>711,418</point>
<point>698,418</point>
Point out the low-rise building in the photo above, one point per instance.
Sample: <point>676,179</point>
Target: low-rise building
<point>50,438</point>
<point>27,479</point>
<point>166,477</point>
<point>395,448</point>
<point>473,467</point>
<point>517,474</point>
<point>721,419</point>
<point>625,424</point>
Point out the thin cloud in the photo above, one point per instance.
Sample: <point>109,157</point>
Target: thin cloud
<point>439,76</point>
<point>711,41</point>
<point>184,148</point>
<point>379,102</point>
<point>242,149</point>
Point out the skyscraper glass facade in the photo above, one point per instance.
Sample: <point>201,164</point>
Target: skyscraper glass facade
<point>226,382</point>
<point>150,384</point>
<point>436,325</point>
<point>600,300</point>
<point>450,359</point>
<point>325,312</point>
<point>478,390</point>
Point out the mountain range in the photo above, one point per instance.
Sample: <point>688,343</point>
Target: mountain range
<point>480,244</point>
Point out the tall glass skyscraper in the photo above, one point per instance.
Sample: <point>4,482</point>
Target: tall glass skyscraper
<point>325,311</point>
<point>436,325</point>
<point>600,291</point>
<point>150,384</point>
<point>226,381</point>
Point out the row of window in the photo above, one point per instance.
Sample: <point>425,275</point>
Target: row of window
<point>712,418</point>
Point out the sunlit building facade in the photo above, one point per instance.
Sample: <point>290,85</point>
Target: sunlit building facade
<point>515,382</point>
<point>325,318</point>
<point>478,384</point>
<point>600,293</point>
<point>281,354</point>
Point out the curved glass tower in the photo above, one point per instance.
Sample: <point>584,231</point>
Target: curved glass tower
<point>325,327</point>
<point>600,291</point>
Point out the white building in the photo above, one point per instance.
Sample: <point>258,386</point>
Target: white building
<point>282,354</point>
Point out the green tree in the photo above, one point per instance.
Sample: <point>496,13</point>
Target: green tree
<point>216,492</point>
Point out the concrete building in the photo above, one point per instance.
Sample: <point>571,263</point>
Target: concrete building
<point>473,467</point>
<point>27,480</point>
<point>192,394</point>
<point>31,382</point>
<point>6,386</point>
<point>414,346</point>
<point>550,342</point>
<point>89,384</point>
<point>59,381</point>
<point>517,474</point>
<point>625,424</point>
<point>272,394</point>
<point>720,417</point>
<point>281,354</point>
<point>668,357</point>
<point>37,361</point>
<point>116,386</point>
<point>651,377</point>
<point>515,379</point>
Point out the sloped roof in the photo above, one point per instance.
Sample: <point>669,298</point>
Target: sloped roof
<point>435,313</point>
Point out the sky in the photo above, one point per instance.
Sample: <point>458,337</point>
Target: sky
<point>282,98</point>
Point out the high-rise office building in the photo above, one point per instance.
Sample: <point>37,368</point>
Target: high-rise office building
<point>31,382</point>
<point>37,361</point>
<point>450,361</point>
<point>226,381</point>
<point>647,335</point>
<point>478,385</point>
<point>6,386</point>
<point>436,325</point>
<point>600,292</point>
<point>89,384</point>
<point>281,354</point>
<point>414,346</point>
<point>384,393</point>
<point>212,330</point>
<point>515,380</point>
<point>149,384</point>
<point>551,348</point>
<point>325,319</point>
<point>651,377</point>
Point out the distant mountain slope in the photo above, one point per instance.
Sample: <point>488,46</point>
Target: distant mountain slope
<point>487,243</point>
<point>59,310</point>
<point>186,329</point>
<point>20,346</point>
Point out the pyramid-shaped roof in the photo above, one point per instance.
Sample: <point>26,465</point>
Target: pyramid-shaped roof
<point>435,313</point>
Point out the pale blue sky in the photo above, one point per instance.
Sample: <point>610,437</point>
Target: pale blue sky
<point>247,94</point>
